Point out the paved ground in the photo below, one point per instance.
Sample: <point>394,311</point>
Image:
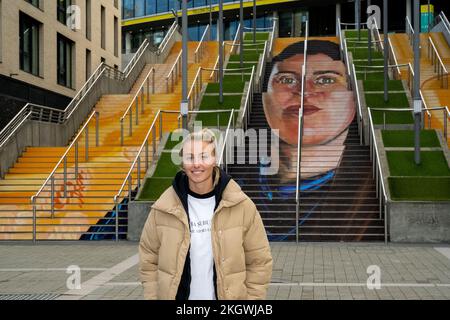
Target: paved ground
<point>305,271</point>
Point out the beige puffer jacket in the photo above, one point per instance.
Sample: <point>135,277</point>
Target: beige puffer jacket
<point>241,250</point>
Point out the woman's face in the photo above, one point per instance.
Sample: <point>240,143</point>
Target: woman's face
<point>328,105</point>
<point>198,160</point>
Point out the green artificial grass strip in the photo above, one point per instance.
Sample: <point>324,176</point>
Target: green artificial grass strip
<point>210,120</point>
<point>362,53</point>
<point>172,141</point>
<point>258,36</point>
<point>153,188</point>
<point>248,56</point>
<point>212,102</point>
<point>364,65</point>
<point>374,76</point>
<point>228,87</point>
<point>166,167</point>
<point>354,33</point>
<point>419,188</point>
<point>433,163</point>
<point>234,65</point>
<point>405,138</point>
<point>235,77</point>
<point>395,100</point>
<point>378,85</point>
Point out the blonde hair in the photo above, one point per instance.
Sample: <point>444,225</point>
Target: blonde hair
<point>204,135</point>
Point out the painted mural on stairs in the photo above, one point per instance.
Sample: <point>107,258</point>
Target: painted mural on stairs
<point>329,110</point>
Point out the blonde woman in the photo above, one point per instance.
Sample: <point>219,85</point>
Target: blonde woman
<point>204,238</point>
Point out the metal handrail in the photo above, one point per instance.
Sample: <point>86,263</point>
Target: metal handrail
<point>248,100</point>
<point>426,108</point>
<point>196,88</point>
<point>347,61</point>
<point>165,41</point>
<point>236,36</point>
<point>381,68</point>
<point>144,45</point>
<point>377,33</point>
<point>135,101</point>
<point>391,48</point>
<point>63,159</point>
<point>300,132</point>
<point>223,163</point>
<point>445,22</point>
<point>198,54</point>
<point>378,175</point>
<point>137,161</point>
<point>340,37</point>
<point>358,100</point>
<point>272,36</point>
<point>214,68</point>
<point>440,69</point>
<point>409,31</point>
<point>175,68</point>
<point>262,59</point>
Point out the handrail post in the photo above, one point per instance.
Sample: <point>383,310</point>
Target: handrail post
<point>52,196</point>
<point>148,89</point>
<point>160,126</point>
<point>138,182</point>
<point>65,177</point>
<point>76,160</point>
<point>130,130</point>
<point>146,155</point>
<point>121,131</point>
<point>97,114</point>
<point>86,144</point>
<point>117,221</point>
<point>137,110</point>
<point>153,142</point>
<point>445,123</point>
<point>153,81</point>
<point>142,99</point>
<point>34,219</point>
<point>130,186</point>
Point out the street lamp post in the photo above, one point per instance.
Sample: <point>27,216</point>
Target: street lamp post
<point>386,51</point>
<point>220,25</point>
<point>241,34</point>
<point>210,20</point>
<point>369,34</point>
<point>184,62</point>
<point>358,18</point>
<point>254,21</point>
<point>416,92</point>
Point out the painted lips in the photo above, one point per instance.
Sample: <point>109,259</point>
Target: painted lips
<point>308,109</point>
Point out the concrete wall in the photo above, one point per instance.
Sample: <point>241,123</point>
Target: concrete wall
<point>138,212</point>
<point>50,27</point>
<point>419,221</point>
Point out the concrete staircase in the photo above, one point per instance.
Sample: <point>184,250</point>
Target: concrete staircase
<point>87,211</point>
<point>335,205</point>
<point>433,94</point>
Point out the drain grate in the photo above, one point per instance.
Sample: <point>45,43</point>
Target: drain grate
<point>29,296</point>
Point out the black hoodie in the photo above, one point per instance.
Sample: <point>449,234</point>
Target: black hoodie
<point>181,187</point>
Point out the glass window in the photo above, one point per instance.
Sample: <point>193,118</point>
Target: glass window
<point>200,3</point>
<point>61,10</point>
<point>139,8</point>
<point>150,7</point>
<point>29,44</point>
<point>162,6</point>
<point>34,3</point>
<point>174,4</point>
<point>127,9</point>
<point>64,61</point>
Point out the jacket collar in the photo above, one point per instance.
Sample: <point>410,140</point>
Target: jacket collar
<point>170,201</point>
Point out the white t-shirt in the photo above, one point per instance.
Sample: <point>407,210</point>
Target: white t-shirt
<point>201,211</point>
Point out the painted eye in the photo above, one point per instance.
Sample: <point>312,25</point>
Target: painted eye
<point>324,81</point>
<point>287,80</point>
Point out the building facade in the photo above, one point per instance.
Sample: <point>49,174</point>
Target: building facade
<point>54,45</point>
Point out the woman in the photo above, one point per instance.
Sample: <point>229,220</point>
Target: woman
<point>204,238</point>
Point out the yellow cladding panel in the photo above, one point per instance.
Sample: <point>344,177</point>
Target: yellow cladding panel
<point>197,11</point>
<point>424,8</point>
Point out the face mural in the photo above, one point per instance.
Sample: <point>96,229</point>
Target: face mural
<point>327,105</point>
